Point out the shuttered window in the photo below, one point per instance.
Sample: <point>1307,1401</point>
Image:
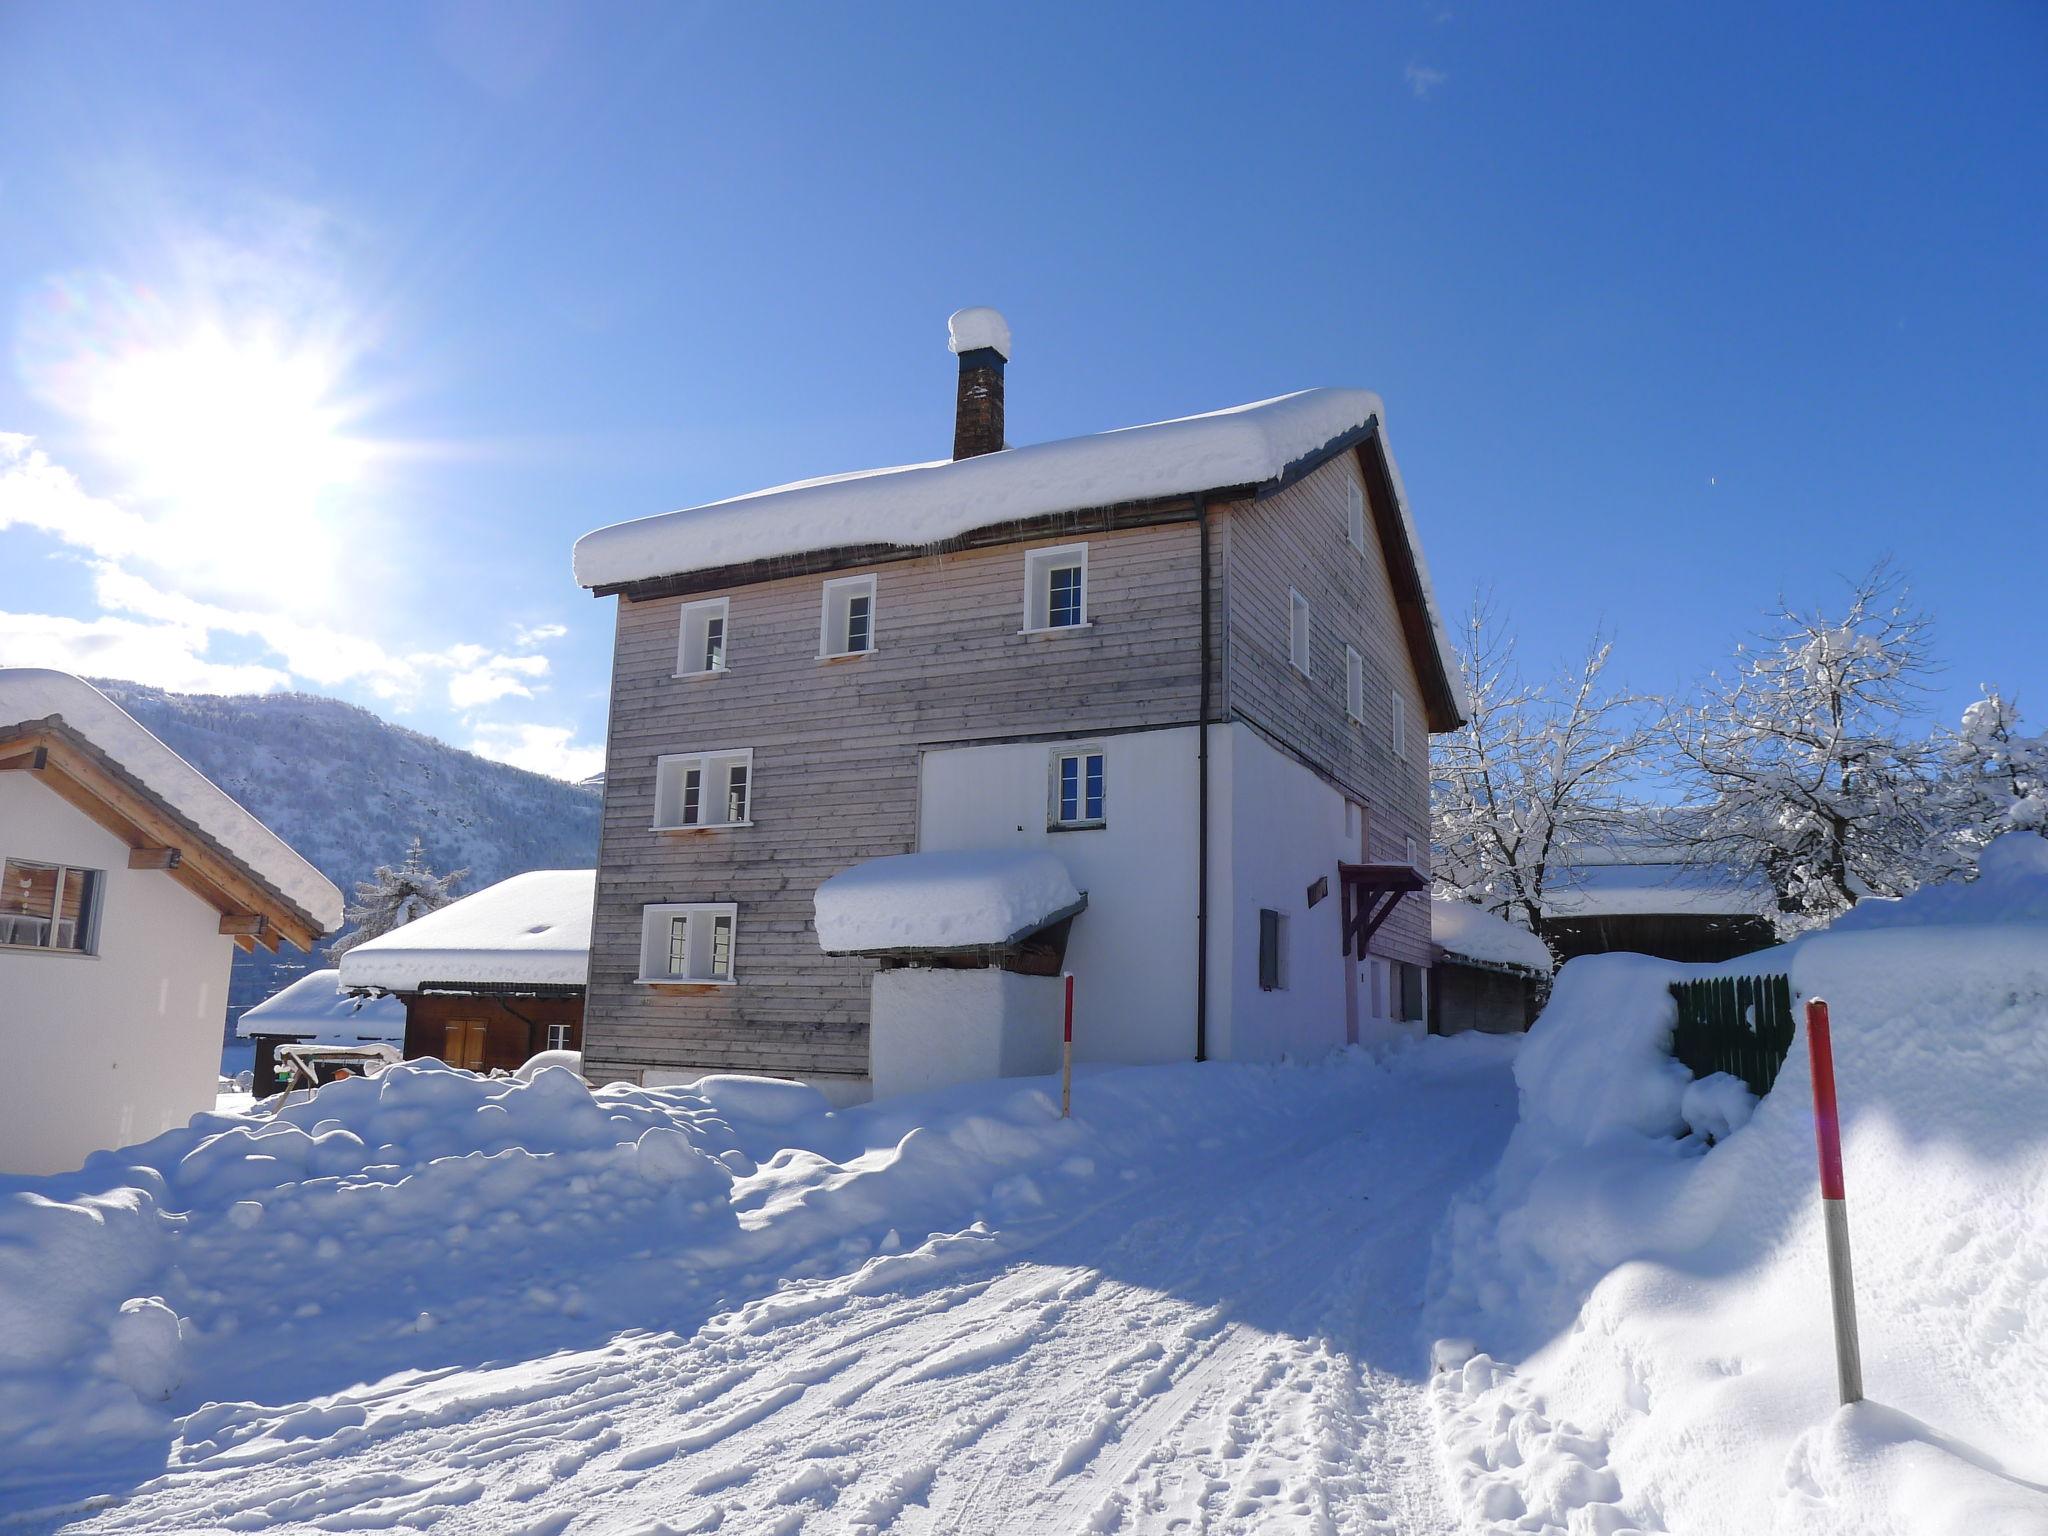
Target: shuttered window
<point>1272,939</point>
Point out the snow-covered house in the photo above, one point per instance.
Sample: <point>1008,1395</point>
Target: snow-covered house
<point>1490,974</point>
<point>317,1009</point>
<point>1197,661</point>
<point>1644,896</point>
<point>492,979</point>
<point>127,881</point>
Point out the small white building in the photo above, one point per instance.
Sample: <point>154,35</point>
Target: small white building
<point>127,881</point>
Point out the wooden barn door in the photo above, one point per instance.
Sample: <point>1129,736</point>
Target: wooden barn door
<point>466,1042</point>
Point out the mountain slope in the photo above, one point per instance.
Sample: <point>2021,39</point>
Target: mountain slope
<point>349,791</point>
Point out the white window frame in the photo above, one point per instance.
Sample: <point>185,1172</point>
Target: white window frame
<point>1039,564</point>
<point>1413,863</point>
<point>562,1033</point>
<point>1354,516</point>
<point>14,925</point>
<point>1299,631</point>
<point>1400,726</point>
<point>655,927</point>
<point>1054,821</point>
<point>834,616</point>
<point>692,631</point>
<point>670,813</point>
<point>1354,684</point>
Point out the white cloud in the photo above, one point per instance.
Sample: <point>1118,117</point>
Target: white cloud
<point>1422,79</point>
<point>549,749</point>
<point>483,679</point>
<point>165,655</point>
<point>523,636</point>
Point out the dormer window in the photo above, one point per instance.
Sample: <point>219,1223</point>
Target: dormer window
<point>703,789</point>
<point>1056,588</point>
<point>846,625</point>
<point>702,647</point>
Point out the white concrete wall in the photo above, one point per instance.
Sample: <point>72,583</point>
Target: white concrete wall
<point>937,1028</point>
<point>1132,951</point>
<point>109,1049</point>
<point>1285,828</point>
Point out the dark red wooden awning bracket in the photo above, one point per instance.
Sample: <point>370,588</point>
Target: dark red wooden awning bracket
<point>1370,892</point>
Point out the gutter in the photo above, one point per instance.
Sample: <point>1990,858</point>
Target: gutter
<point>1202,803</point>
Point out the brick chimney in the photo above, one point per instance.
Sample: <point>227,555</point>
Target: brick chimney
<point>980,338</point>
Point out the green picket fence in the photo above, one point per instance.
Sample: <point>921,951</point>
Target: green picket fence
<point>1741,1025</point>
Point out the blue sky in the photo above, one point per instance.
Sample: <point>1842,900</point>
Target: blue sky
<point>326,329</point>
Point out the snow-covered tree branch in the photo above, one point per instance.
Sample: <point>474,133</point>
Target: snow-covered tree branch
<point>393,897</point>
<point>1536,773</point>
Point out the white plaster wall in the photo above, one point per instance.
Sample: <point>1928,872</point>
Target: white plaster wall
<point>109,1049</point>
<point>937,1028</point>
<point>1285,827</point>
<point>1132,951</point>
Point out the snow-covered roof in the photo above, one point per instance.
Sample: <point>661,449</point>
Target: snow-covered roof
<point>911,506</point>
<point>1622,890</point>
<point>315,1006</point>
<point>29,694</point>
<point>1472,933</point>
<point>968,900</point>
<point>533,928</point>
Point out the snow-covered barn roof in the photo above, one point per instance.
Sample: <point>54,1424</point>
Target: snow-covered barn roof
<point>979,899</point>
<point>1472,933</point>
<point>914,506</point>
<point>315,1006</point>
<point>533,929</point>
<point>1660,889</point>
<point>105,757</point>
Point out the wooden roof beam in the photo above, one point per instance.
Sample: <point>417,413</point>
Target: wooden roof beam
<point>155,858</point>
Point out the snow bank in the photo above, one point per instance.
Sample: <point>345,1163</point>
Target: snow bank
<point>1666,1299</point>
<point>2011,887</point>
<point>1472,933</point>
<point>36,693</point>
<point>315,1006</point>
<point>428,1219</point>
<point>532,928</point>
<point>941,900</point>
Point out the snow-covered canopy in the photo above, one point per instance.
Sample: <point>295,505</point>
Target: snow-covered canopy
<point>315,1006</point>
<point>1620,890</point>
<point>968,900</point>
<point>29,694</point>
<point>533,928</point>
<point>1472,933</point>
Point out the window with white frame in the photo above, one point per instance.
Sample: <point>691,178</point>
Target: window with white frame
<point>1412,850</point>
<point>704,789</point>
<point>846,624</point>
<point>1078,779</point>
<point>688,942</point>
<point>1354,516</point>
<point>1354,684</point>
<point>1297,631</point>
<point>701,648</point>
<point>560,1037</point>
<point>1056,588</point>
<point>1400,726</point>
<point>49,906</point>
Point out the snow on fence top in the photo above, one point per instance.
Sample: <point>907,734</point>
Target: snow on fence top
<point>315,1005</point>
<point>1472,933</point>
<point>37,693</point>
<point>1618,890</point>
<point>942,901</point>
<point>533,928</point>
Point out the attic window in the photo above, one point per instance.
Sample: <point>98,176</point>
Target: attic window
<point>1056,588</point>
<point>846,623</point>
<point>701,648</point>
<point>1354,516</point>
<point>704,789</point>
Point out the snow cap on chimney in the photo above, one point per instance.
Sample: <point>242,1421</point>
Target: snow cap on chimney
<point>970,329</point>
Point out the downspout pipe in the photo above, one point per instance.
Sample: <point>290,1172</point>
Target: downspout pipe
<point>1202,803</point>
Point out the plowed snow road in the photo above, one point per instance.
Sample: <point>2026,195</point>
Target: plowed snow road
<point>1232,1348</point>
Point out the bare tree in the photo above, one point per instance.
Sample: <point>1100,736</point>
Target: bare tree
<point>1802,764</point>
<point>1536,775</point>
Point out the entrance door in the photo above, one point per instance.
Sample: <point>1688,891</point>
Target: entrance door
<point>465,1043</point>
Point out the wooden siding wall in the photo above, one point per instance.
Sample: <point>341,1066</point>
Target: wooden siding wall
<point>835,775</point>
<point>1297,539</point>
<point>518,1026</point>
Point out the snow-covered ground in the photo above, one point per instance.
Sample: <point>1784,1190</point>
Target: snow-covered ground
<point>497,1307</point>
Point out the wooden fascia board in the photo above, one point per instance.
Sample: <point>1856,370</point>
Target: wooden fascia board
<point>1439,696</point>
<point>73,774</point>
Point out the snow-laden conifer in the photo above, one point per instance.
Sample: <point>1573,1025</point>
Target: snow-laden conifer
<point>393,897</point>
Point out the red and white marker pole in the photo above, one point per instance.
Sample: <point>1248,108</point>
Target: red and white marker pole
<point>1067,1055</point>
<point>1834,1205</point>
